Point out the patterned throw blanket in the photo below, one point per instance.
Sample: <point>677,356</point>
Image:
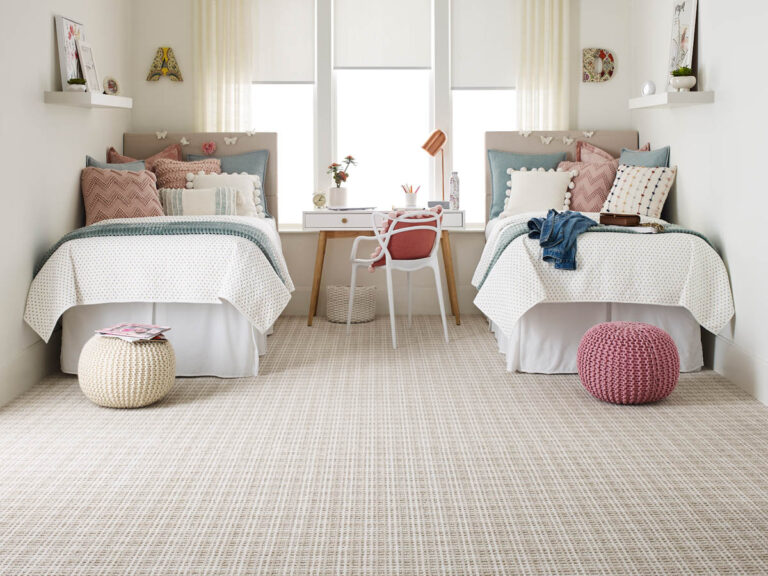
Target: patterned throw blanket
<point>520,228</point>
<point>185,228</point>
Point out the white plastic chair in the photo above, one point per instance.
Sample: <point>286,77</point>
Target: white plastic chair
<point>428,221</point>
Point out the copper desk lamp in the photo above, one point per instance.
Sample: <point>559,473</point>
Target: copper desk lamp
<point>434,144</point>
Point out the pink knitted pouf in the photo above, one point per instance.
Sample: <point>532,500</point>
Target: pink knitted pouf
<point>628,362</point>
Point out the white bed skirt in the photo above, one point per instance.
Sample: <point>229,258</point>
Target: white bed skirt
<point>546,338</point>
<point>209,339</point>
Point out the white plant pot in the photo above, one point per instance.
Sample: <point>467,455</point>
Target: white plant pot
<point>76,87</point>
<point>337,197</point>
<point>683,83</point>
<point>410,200</point>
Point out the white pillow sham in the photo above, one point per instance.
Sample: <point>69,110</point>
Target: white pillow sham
<point>538,190</point>
<point>199,202</point>
<point>640,190</point>
<point>249,199</point>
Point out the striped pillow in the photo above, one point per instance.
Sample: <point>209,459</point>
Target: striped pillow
<point>201,202</point>
<point>640,190</point>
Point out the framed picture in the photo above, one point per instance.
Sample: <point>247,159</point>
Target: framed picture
<point>88,66</point>
<point>68,32</point>
<point>683,29</point>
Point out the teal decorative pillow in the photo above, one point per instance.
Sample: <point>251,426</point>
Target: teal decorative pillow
<point>501,161</point>
<point>200,202</point>
<point>136,166</point>
<point>250,163</point>
<point>658,158</point>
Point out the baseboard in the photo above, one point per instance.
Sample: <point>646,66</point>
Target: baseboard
<point>29,367</point>
<point>742,368</point>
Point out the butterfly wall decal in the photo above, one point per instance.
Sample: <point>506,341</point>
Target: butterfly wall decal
<point>250,132</point>
<point>588,134</point>
<point>229,141</point>
<point>545,139</point>
<point>567,141</point>
<point>184,141</point>
<point>161,135</point>
<point>525,133</point>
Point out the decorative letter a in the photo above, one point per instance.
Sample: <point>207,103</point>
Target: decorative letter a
<point>165,64</point>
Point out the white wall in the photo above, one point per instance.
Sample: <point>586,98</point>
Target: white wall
<point>162,105</point>
<point>601,24</point>
<point>719,151</point>
<point>43,148</point>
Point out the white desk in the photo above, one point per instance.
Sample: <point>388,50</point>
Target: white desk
<point>349,224</point>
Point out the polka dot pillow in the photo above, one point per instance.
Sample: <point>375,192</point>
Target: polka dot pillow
<point>640,190</point>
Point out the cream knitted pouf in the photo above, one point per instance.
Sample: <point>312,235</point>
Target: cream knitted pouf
<point>120,374</point>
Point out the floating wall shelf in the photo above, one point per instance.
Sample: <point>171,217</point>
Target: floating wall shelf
<point>88,100</point>
<point>670,99</point>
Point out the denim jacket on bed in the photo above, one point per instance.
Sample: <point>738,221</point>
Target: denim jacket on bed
<point>557,234</point>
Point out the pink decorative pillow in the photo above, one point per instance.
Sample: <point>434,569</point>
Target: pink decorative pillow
<point>592,184</point>
<point>173,173</point>
<point>407,245</point>
<point>586,152</point>
<point>172,152</point>
<point>118,194</point>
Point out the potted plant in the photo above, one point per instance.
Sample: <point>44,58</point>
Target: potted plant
<point>76,85</point>
<point>337,197</point>
<point>683,79</point>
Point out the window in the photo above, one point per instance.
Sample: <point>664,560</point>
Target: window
<point>288,109</point>
<point>476,112</point>
<point>382,119</point>
<point>372,79</point>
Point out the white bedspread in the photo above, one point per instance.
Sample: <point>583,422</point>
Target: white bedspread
<point>664,269</point>
<point>189,268</point>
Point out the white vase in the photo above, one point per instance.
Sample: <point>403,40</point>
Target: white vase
<point>683,83</point>
<point>410,200</point>
<point>337,197</point>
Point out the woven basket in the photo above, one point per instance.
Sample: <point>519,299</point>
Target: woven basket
<point>363,309</point>
<point>119,374</point>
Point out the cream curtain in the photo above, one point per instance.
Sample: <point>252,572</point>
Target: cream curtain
<point>223,36</point>
<point>543,101</point>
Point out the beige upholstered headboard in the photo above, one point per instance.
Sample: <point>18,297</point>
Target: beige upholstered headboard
<point>144,145</point>
<point>609,140</point>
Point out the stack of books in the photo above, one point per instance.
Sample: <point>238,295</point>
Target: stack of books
<point>135,332</point>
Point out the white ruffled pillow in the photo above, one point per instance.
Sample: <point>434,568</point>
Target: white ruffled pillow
<point>538,190</point>
<point>249,199</point>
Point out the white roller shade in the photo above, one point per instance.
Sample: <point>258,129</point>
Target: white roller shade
<point>284,41</point>
<point>382,33</point>
<point>484,41</point>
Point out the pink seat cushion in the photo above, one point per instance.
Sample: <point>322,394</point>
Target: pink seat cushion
<point>408,245</point>
<point>628,362</point>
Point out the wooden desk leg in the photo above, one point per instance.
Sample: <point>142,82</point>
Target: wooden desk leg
<point>445,244</point>
<point>319,260</point>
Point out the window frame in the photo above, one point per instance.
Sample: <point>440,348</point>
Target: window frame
<point>325,95</point>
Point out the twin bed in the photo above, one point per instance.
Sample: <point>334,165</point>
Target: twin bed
<point>218,289</point>
<point>221,291</point>
<point>675,281</point>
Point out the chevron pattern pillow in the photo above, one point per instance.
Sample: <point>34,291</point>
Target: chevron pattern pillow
<point>592,184</point>
<point>118,194</point>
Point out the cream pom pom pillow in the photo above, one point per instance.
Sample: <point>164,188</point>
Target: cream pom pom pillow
<point>538,190</point>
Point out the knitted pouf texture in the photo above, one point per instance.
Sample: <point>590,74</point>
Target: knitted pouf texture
<point>628,362</point>
<point>119,374</point>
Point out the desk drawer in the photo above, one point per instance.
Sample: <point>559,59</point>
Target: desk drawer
<point>337,221</point>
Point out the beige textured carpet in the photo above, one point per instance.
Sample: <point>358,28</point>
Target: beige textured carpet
<point>345,457</point>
